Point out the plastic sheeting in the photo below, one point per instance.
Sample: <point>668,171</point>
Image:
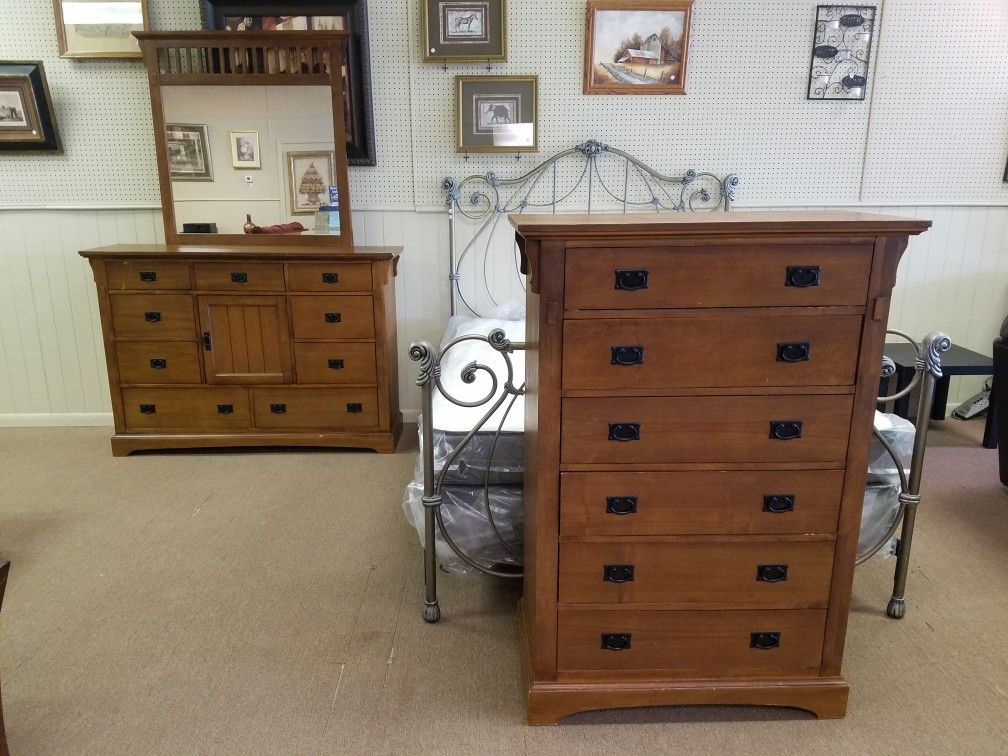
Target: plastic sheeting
<point>881,500</point>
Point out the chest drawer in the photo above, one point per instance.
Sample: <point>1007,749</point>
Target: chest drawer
<point>696,572</point>
<point>738,275</point>
<point>711,429</point>
<point>735,502</point>
<point>240,276</point>
<point>141,275</point>
<point>193,409</point>
<point>691,644</point>
<point>332,318</point>
<point>338,362</point>
<point>163,317</point>
<point>337,277</point>
<point>154,362</point>
<point>300,408</point>
<point>762,348</point>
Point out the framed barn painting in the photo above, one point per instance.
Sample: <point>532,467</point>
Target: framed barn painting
<point>636,46</point>
<point>27,121</point>
<point>497,113</point>
<point>464,30</point>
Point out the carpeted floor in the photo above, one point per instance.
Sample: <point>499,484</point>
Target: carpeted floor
<point>270,603</point>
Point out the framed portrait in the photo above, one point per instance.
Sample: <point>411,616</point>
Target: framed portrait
<point>316,15</point>
<point>245,149</point>
<point>99,28</point>
<point>636,46</point>
<point>27,120</point>
<point>464,31</point>
<point>309,176</point>
<point>188,152</point>
<point>497,113</point>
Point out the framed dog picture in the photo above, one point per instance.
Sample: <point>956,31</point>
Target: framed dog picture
<point>497,113</point>
<point>27,121</point>
<point>464,31</point>
<point>245,149</point>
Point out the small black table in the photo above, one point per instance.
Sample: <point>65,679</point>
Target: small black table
<point>956,361</point>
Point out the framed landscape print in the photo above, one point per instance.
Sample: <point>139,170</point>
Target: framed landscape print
<point>99,28</point>
<point>636,46</point>
<point>27,121</point>
<point>309,176</point>
<point>497,113</point>
<point>316,15</point>
<point>455,30</point>
<point>245,149</point>
<point>188,152</point>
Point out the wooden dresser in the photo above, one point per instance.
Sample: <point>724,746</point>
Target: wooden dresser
<point>239,346</point>
<point>698,414</point>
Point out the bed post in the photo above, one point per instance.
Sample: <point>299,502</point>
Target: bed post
<point>429,360</point>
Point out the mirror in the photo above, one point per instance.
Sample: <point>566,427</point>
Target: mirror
<point>99,28</point>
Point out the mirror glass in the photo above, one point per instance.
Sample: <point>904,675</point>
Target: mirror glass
<point>87,28</point>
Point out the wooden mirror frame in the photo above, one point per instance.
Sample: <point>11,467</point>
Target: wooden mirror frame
<point>247,59</point>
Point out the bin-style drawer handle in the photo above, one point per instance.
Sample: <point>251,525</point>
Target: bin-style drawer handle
<point>158,363</point>
<point>615,641</point>
<point>354,408</point>
<point>239,277</point>
<point>330,278</point>
<point>278,409</point>
<point>632,280</point>
<point>785,430</point>
<point>333,317</point>
<point>624,431</point>
<point>148,276</point>
<point>771,573</point>
<point>627,355</point>
<point>794,351</point>
<point>764,641</point>
<point>802,276</point>
<point>778,503</point>
<point>152,317</point>
<point>225,409</point>
<point>618,573</point>
<point>621,505</point>
<point>148,409</point>
<point>336,364</point>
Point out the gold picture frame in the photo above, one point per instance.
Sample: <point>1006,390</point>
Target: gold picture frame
<point>245,153</point>
<point>459,31</point>
<point>101,36</point>
<point>294,181</point>
<point>489,108</point>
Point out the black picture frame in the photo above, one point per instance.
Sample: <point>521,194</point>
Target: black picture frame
<point>360,132</point>
<point>26,81</point>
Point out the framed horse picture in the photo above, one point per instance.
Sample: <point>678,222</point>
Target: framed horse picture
<point>497,113</point>
<point>464,30</point>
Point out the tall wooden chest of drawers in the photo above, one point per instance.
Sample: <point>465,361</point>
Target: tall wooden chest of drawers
<point>238,346</point>
<point>699,407</point>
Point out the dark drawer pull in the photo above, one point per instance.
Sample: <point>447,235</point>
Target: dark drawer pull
<point>778,503</point>
<point>336,364</point>
<point>330,278</point>
<point>618,573</point>
<point>158,363</point>
<point>764,641</point>
<point>207,341</point>
<point>771,573</point>
<point>148,409</point>
<point>148,276</point>
<point>624,431</point>
<point>225,409</point>
<point>627,355</point>
<point>278,409</point>
<point>239,278</point>
<point>794,351</point>
<point>621,505</point>
<point>615,641</point>
<point>152,317</point>
<point>354,408</point>
<point>785,430</point>
<point>802,276</point>
<point>333,317</point>
<point>631,280</point>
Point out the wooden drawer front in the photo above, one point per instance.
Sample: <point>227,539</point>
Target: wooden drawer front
<point>240,276</point>
<point>153,362</point>
<point>189,409</point>
<point>246,339</point>
<point>697,644</point>
<point>741,275</point>
<point>718,429</point>
<point>339,317</point>
<point>700,503</point>
<point>336,277</point>
<point>162,317</point>
<point>756,349</point>
<point>140,275</point>
<point>696,572</point>
<point>290,408</point>
<point>342,362</point>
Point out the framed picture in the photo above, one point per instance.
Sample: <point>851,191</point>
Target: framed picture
<point>245,149</point>
<point>89,29</point>
<point>636,46</point>
<point>188,152</point>
<point>497,113</point>
<point>455,30</point>
<point>841,52</point>
<point>27,121</point>
<point>309,176</point>
<point>316,15</point>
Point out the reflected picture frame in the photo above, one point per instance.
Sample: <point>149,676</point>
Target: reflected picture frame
<point>72,41</point>
<point>245,153</point>
<point>189,143</point>
<point>464,31</point>
<point>326,157</point>
<point>488,110</point>
<point>27,118</point>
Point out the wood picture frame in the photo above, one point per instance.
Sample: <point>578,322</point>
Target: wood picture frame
<point>245,151</point>
<point>27,119</point>
<point>612,65</point>
<point>485,106</point>
<point>358,98</point>
<point>298,207</point>
<point>189,157</point>
<point>72,44</point>
<point>464,31</point>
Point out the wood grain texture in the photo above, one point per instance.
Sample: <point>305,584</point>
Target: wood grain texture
<point>335,277</point>
<point>254,276</point>
<point>147,275</point>
<point>189,408</point>
<point>155,317</point>
<point>249,339</point>
<point>312,317</point>
<point>158,362</point>
<point>337,363</point>
<point>307,408</point>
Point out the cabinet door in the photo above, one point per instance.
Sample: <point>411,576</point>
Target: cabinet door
<point>245,339</point>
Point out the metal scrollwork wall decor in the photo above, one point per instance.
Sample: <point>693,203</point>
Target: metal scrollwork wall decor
<point>841,52</point>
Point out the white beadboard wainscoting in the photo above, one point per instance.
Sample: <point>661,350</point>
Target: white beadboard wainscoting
<point>52,365</point>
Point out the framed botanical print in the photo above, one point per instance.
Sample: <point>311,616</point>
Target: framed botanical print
<point>460,30</point>
<point>27,120</point>
<point>497,113</point>
<point>99,28</point>
<point>245,149</point>
<point>636,46</point>
<point>309,176</point>
<point>188,152</point>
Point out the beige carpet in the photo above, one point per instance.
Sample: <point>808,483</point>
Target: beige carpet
<point>270,603</point>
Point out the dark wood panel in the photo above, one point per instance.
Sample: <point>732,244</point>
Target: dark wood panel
<point>303,408</point>
<point>345,316</point>
<point>248,339</point>
<point>335,277</point>
<point>155,362</point>
<point>146,275</point>
<point>204,408</point>
<point>239,276</point>
<point>335,362</point>
<point>155,317</point>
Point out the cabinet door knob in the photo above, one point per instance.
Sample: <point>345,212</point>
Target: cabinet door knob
<point>278,409</point>
<point>624,431</point>
<point>225,409</point>
<point>621,505</point>
<point>778,503</point>
<point>794,351</point>
<point>764,641</point>
<point>771,573</point>
<point>354,408</point>
<point>239,277</point>
<point>148,409</point>
<point>632,280</point>
<point>158,363</point>
<point>333,317</point>
<point>336,364</point>
<point>785,430</point>
<point>802,276</point>
<point>627,355</point>
<point>330,278</point>
<point>618,573</point>
<point>152,317</point>
<point>615,641</point>
<point>148,276</point>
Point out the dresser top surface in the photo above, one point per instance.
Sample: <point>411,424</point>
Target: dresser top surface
<point>266,253</point>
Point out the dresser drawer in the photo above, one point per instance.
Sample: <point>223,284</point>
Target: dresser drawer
<point>706,429</point>
<point>162,317</point>
<point>304,408</point>
<point>196,409</point>
<point>753,572</point>
<point>141,275</point>
<point>762,348</point>
<point>153,362</point>
<point>336,277</point>
<point>738,275</point>
<point>336,317</point>
<point>240,276</point>
<point>691,644</point>
<point>700,503</point>
<point>337,362</point>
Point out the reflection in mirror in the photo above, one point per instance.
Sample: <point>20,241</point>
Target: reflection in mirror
<point>99,28</point>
